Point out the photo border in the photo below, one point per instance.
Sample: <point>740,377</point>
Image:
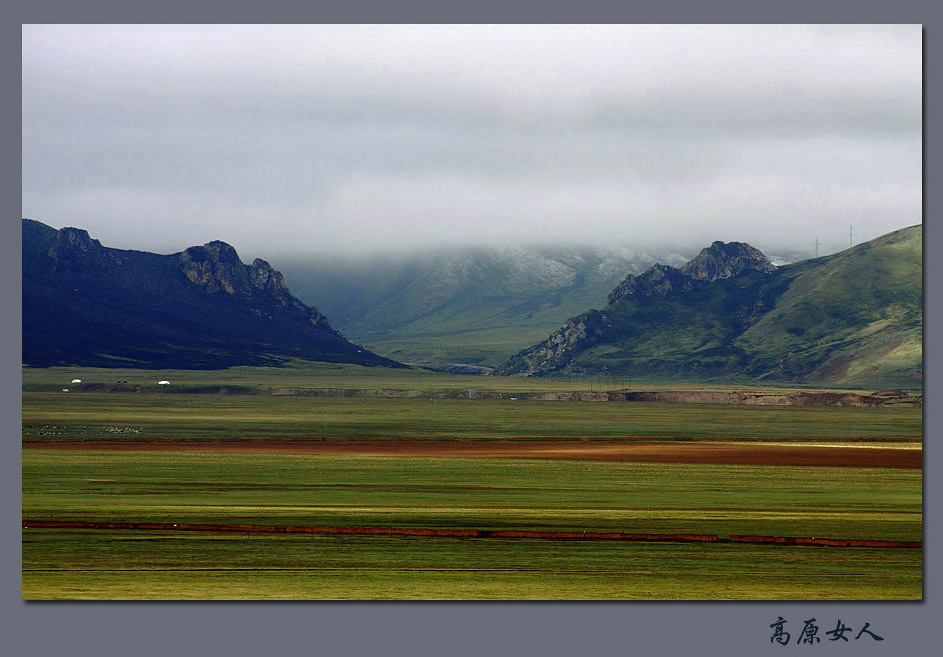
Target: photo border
<point>451,628</point>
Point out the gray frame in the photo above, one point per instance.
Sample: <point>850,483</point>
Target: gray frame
<point>423,628</point>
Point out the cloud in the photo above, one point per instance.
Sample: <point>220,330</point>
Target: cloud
<point>299,138</point>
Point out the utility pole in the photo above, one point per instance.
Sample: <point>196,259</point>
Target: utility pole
<point>816,246</point>
<point>850,233</point>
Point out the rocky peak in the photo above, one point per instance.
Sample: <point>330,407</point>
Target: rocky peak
<point>77,238</point>
<point>87,304</point>
<point>71,240</point>
<point>718,261</point>
<point>216,267</point>
<point>725,260</point>
<point>73,246</point>
<point>221,252</point>
<point>263,277</point>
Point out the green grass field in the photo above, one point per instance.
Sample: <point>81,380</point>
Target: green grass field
<point>455,493</point>
<point>216,487</point>
<point>74,564</point>
<point>868,503</point>
<point>336,375</point>
<point>98,416</point>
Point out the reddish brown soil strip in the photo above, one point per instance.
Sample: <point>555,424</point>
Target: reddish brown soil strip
<point>640,452</point>
<point>470,533</point>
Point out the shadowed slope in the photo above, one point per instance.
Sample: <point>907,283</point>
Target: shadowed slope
<point>86,304</point>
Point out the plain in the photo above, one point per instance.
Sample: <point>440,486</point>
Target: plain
<point>194,456</point>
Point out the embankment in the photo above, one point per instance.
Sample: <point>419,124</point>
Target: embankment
<point>797,398</point>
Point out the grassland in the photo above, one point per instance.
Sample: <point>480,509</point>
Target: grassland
<point>73,564</point>
<point>344,376</point>
<point>869,503</point>
<point>215,486</point>
<point>166,416</point>
<point>306,490</point>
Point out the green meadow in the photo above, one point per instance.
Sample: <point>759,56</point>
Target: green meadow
<point>112,416</point>
<point>111,565</point>
<point>457,493</point>
<point>217,487</point>
<point>345,376</point>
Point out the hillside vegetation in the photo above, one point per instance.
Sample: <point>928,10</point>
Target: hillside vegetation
<point>463,307</point>
<point>852,319</point>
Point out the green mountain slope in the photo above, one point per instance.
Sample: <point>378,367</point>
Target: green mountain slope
<point>471,306</point>
<point>855,318</point>
<point>851,319</point>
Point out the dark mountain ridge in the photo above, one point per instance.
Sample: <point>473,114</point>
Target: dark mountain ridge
<point>853,318</point>
<point>86,304</point>
<point>718,261</point>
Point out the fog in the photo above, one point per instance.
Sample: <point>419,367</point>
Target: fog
<point>298,140</point>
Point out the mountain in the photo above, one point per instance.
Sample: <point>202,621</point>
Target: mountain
<point>853,319</point>
<point>86,304</point>
<point>463,308</point>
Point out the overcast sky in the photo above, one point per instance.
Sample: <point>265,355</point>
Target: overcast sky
<point>307,139</point>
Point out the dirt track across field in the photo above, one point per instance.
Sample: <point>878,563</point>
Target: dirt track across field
<point>470,533</point>
<point>727,453</point>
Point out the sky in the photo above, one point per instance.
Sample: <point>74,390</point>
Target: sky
<point>302,140</point>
